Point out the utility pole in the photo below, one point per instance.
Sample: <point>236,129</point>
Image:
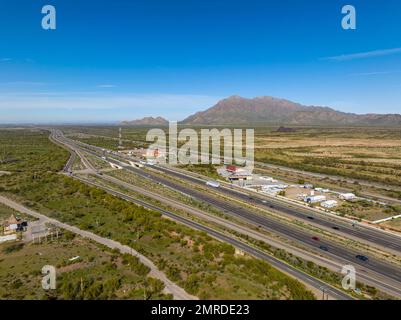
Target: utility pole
<point>324,297</point>
<point>120,142</point>
<point>82,285</point>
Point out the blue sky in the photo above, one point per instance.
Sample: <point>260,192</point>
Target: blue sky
<point>125,59</point>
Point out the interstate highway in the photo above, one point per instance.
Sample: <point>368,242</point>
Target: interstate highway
<point>360,232</point>
<point>338,252</point>
<point>316,283</point>
<point>369,235</point>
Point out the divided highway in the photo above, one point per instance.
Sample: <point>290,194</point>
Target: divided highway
<point>333,292</point>
<point>385,274</point>
<point>371,235</point>
<point>365,234</point>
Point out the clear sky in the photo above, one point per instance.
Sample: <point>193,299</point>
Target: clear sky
<point>124,59</point>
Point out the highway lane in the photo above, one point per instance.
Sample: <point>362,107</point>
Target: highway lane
<point>360,232</point>
<point>370,235</point>
<point>305,254</point>
<point>335,251</point>
<point>70,162</point>
<point>316,283</point>
<point>274,226</point>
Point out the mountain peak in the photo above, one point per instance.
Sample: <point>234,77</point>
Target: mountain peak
<point>234,97</point>
<point>267,110</point>
<point>147,121</point>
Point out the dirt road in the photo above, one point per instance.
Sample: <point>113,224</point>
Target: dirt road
<point>170,287</point>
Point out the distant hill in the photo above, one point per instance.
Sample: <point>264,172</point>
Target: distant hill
<point>147,121</point>
<point>284,129</point>
<point>236,110</point>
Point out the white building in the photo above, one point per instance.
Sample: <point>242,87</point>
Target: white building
<point>269,179</point>
<point>275,186</point>
<point>329,204</point>
<point>314,199</point>
<point>347,196</point>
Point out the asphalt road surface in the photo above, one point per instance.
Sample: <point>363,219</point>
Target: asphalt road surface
<point>336,251</point>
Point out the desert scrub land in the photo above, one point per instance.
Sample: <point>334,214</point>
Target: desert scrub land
<point>108,137</point>
<point>208,170</point>
<point>393,224</point>
<point>367,210</point>
<point>202,265</point>
<point>371,154</point>
<point>98,273</point>
<point>6,212</point>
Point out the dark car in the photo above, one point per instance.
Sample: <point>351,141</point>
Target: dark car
<point>362,257</point>
<point>324,248</point>
<point>336,228</point>
<point>315,238</point>
<point>310,218</point>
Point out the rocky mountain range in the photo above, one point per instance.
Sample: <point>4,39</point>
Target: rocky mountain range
<point>269,110</point>
<point>266,110</point>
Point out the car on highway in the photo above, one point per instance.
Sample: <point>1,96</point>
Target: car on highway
<point>335,228</point>
<point>362,257</point>
<point>315,238</point>
<point>310,218</point>
<point>324,248</point>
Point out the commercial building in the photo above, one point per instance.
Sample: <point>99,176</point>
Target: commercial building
<point>269,179</point>
<point>347,196</point>
<point>240,176</point>
<point>13,224</point>
<point>314,199</point>
<point>329,204</point>
<point>231,168</point>
<point>274,189</point>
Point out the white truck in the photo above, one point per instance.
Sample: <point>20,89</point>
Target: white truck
<point>213,184</point>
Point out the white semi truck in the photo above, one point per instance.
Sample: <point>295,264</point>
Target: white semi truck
<point>213,184</point>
